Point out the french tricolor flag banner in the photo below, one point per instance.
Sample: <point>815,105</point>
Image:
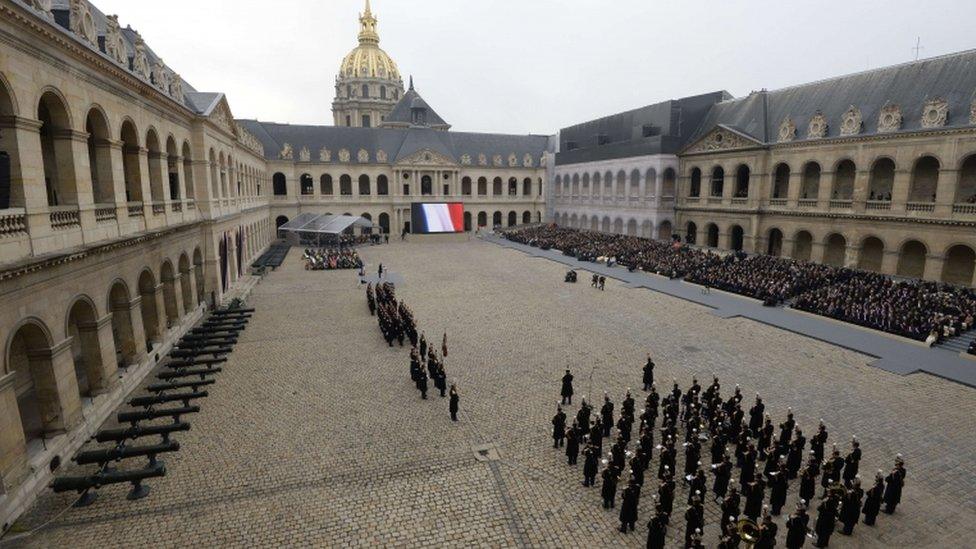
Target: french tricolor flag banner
<point>443,217</point>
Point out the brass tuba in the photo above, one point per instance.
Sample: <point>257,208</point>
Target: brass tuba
<point>838,490</point>
<point>748,531</point>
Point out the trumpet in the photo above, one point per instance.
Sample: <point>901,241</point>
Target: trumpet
<point>748,531</point>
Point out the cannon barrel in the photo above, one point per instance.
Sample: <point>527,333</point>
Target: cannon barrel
<point>80,484</point>
<point>115,454</point>
<point>188,353</point>
<point>162,399</point>
<point>144,415</point>
<point>195,362</point>
<point>232,311</point>
<point>137,431</point>
<point>188,373</point>
<point>160,387</point>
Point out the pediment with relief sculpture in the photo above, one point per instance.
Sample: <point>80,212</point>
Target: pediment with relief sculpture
<point>722,139</point>
<point>427,157</point>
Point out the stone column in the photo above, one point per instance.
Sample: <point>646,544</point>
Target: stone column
<point>889,262</point>
<point>862,182</point>
<point>945,192</point>
<point>933,267</point>
<point>118,182</point>
<point>851,256</point>
<point>14,467</point>
<point>98,347</point>
<point>178,290</point>
<point>817,250</point>
<point>56,387</point>
<point>133,351</point>
<point>824,198</point>
<point>147,198</point>
<point>157,297</point>
<point>20,137</point>
<point>793,192</point>
<point>724,241</point>
<point>899,190</point>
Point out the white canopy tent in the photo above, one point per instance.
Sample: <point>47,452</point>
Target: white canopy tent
<point>319,229</point>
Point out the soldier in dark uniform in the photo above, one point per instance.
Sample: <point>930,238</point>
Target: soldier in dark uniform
<point>694,519</point>
<point>423,385</point>
<point>596,434</point>
<point>624,427</point>
<point>767,533</point>
<point>627,406</point>
<point>895,481</point>
<point>567,390</point>
<point>657,529</point>
<point>756,414</point>
<point>818,441</point>
<point>754,492</point>
<point>572,444</point>
<point>730,506</point>
<point>794,459</point>
<point>558,427</point>
<point>778,485</point>
<point>454,402</point>
<point>748,472</point>
<point>606,412</point>
<point>730,534</point>
<point>609,488</point>
<point>692,457</point>
<point>850,509</point>
<point>591,457</point>
<point>370,299</point>
<point>765,438</point>
<point>583,414</point>
<point>423,344</point>
<point>628,506</point>
<point>668,456</point>
<point>648,373</point>
<point>665,494</point>
<point>808,484</point>
<point>697,485</point>
<point>723,472</point>
<point>796,526</point>
<point>872,501</point>
<point>826,520</point>
<point>786,428</point>
<point>852,462</point>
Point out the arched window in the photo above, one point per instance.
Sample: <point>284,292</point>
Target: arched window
<point>966,188</point>
<point>694,187</point>
<point>382,92</point>
<point>59,176</point>
<point>364,189</point>
<point>810,190</point>
<point>925,180</point>
<point>325,185</point>
<point>426,186</point>
<point>527,188</point>
<point>667,186</point>
<point>382,186</point>
<point>307,185</point>
<point>512,186</point>
<point>718,182</point>
<point>366,91</point>
<point>634,185</point>
<point>496,187</point>
<point>466,186</point>
<point>100,158</point>
<point>781,182</point>
<point>9,196</point>
<point>188,171</point>
<point>742,182</point>
<point>882,180</point>
<point>278,185</point>
<point>345,185</point>
<point>482,187</point>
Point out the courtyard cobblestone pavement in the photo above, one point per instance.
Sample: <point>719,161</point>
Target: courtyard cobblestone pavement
<point>315,435</point>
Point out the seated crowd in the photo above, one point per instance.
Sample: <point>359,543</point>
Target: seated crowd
<point>331,258</point>
<point>924,311</point>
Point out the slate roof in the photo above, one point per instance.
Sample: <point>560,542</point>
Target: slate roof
<point>661,128</point>
<point>400,116</point>
<point>397,143</point>
<point>950,77</point>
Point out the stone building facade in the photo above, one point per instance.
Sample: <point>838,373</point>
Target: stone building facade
<point>875,170</point>
<point>619,173</point>
<point>124,194</point>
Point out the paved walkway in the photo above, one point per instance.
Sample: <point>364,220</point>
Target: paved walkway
<point>891,353</point>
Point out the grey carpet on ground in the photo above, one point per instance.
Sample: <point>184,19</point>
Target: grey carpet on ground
<point>892,354</point>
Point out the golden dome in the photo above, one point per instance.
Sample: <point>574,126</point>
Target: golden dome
<point>368,60</point>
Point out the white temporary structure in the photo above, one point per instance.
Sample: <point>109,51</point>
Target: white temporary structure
<point>317,229</point>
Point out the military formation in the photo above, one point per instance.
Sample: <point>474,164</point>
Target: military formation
<point>397,323</point>
<point>748,468</point>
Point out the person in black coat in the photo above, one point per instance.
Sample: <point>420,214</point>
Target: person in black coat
<point>628,506</point>
<point>872,500</point>
<point>894,483</point>
<point>794,458</point>
<point>722,472</point>
<point>850,509</point>
<point>767,533</point>
<point>808,484</point>
<point>777,493</point>
<point>826,520</point>
<point>591,457</point>
<point>558,427</point>
<point>648,373</point>
<point>606,413</point>
<point>852,462</point>
<point>796,526</point>
<point>454,402</point>
<point>423,385</point>
<point>609,488</point>
<point>694,520</point>
<point>567,389</point>
<point>730,506</point>
<point>657,529</point>
<point>755,492</point>
<point>756,414</point>
<point>665,494</point>
<point>572,444</point>
<point>818,442</point>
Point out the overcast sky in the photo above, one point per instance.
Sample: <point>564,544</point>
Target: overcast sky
<point>533,66</point>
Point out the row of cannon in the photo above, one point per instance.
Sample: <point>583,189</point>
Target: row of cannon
<point>180,383</point>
